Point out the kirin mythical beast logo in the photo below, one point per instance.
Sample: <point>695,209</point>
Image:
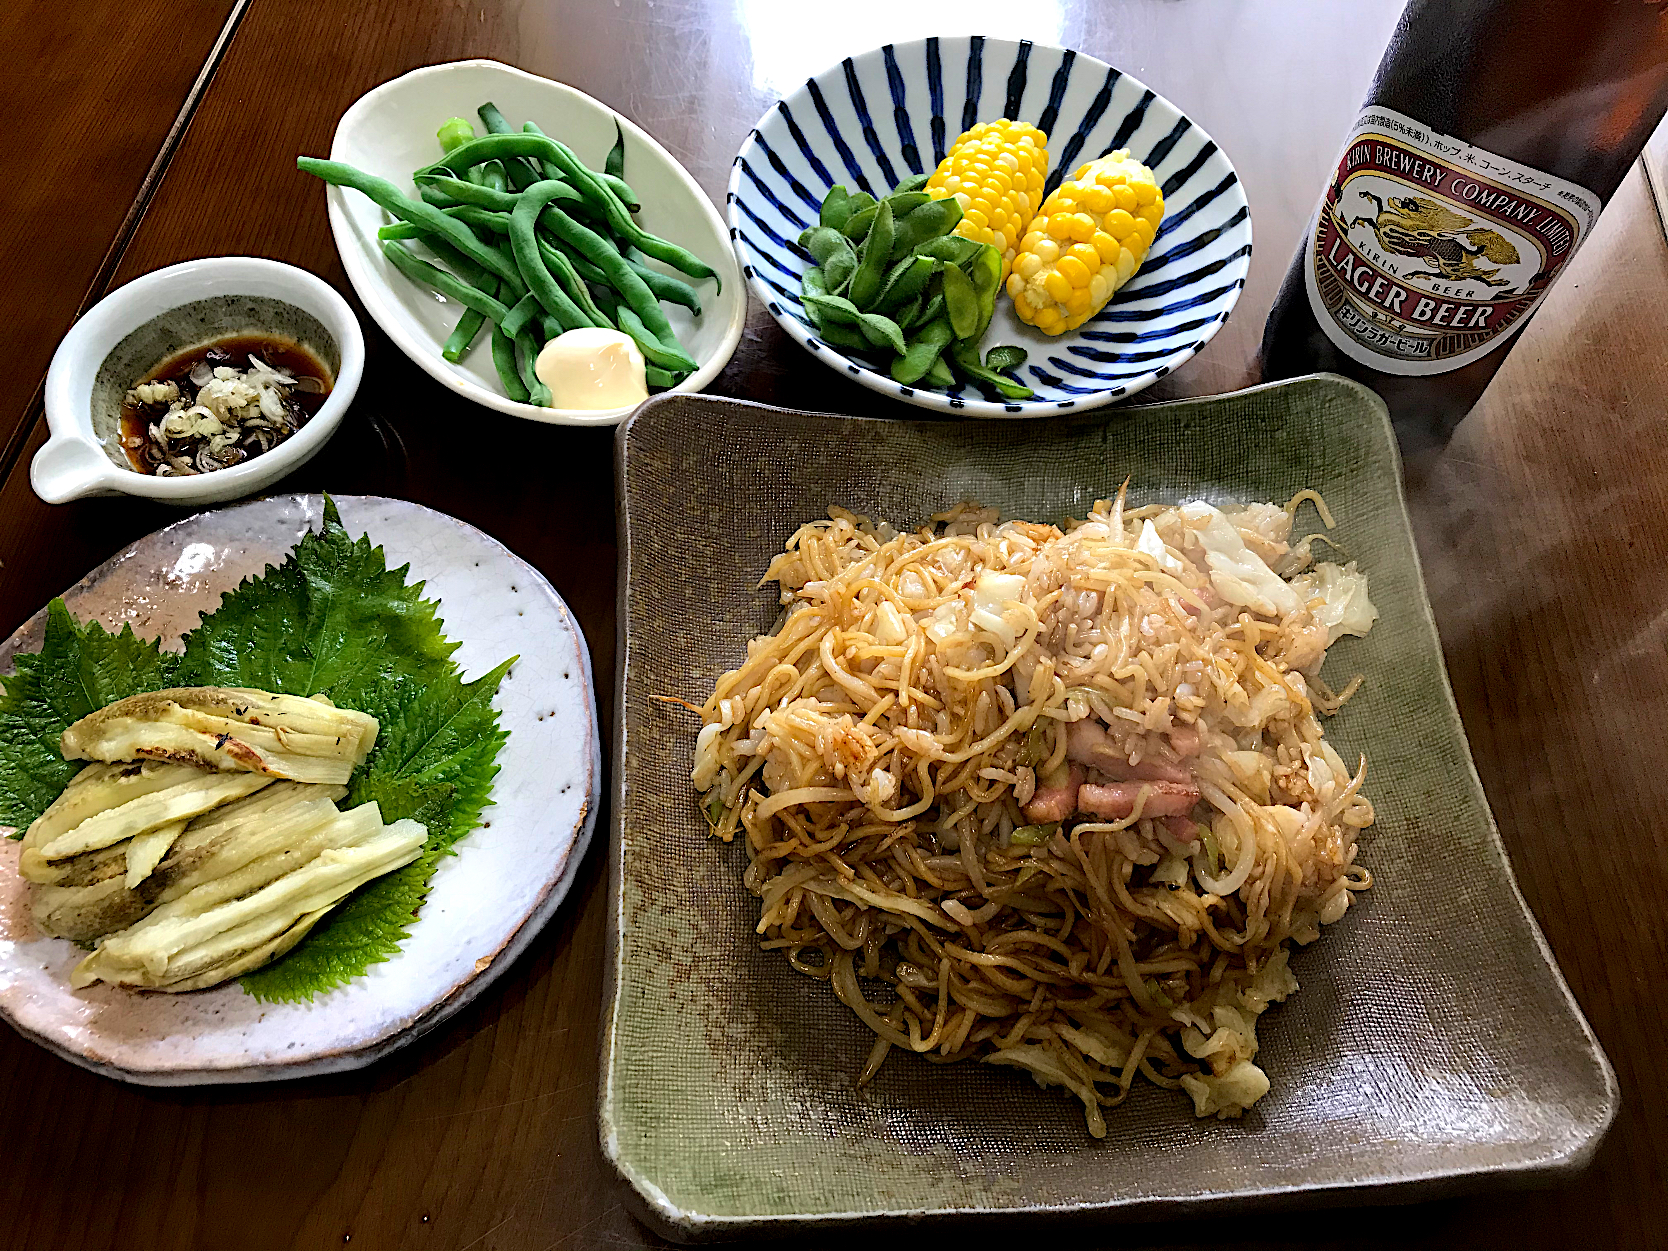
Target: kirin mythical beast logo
<point>1427,231</point>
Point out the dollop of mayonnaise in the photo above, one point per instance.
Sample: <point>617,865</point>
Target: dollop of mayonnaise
<point>592,368</point>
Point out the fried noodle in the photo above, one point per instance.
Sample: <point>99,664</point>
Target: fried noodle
<point>1055,799</point>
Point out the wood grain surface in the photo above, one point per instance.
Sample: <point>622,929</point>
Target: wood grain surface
<point>88,132</point>
<point>1540,528</point>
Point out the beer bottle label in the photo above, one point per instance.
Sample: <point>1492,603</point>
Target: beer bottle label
<point>1428,253</point>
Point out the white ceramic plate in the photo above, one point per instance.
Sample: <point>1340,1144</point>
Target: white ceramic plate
<point>390,131</point>
<point>488,901</point>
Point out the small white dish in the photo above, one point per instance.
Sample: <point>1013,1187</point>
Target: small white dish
<point>137,326</point>
<point>487,902</point>
<point>390,131</point>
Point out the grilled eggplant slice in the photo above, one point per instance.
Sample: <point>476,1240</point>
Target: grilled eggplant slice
<point>209,930</point>
<point>89,896</point>
<point>228,728</point>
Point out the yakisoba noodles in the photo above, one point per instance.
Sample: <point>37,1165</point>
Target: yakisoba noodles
<point>1060,797</point>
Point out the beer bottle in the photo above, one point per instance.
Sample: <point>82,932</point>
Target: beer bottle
<point>1494,133</point>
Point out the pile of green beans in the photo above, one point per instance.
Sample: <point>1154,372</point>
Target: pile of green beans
<point>891,278</point>
<point>534,243</point>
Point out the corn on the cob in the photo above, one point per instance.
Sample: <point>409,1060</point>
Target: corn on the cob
<point>996,170</point>
<point>1085,242</point>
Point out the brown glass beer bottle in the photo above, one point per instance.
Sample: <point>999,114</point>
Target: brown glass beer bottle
<point>1494,133</point>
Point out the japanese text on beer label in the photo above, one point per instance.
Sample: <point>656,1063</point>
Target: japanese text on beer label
<point>1427,253</point>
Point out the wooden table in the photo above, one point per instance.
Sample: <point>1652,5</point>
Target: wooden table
<point>1540,527</point>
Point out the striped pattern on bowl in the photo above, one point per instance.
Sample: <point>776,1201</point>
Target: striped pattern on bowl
<point>881,116</point>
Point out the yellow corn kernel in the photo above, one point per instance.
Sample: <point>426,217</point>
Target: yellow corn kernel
<point>996,171</point>
<point>1087,239</point>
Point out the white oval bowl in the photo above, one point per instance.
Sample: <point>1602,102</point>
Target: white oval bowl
<point>881,115</point>
<point>73,463</point>
<point>487,902</point>
<point>390,131</point>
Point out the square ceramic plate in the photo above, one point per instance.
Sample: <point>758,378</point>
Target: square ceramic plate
<point>1434,1042</point>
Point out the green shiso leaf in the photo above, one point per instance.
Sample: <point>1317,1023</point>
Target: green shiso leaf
<point>331,620</point>
<point>78,670</point>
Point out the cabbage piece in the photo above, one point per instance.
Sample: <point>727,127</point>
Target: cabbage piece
<point>1228,1095</point>
<point>1343,589</point>
<point>1238,574</point>
<point>1152,545</point>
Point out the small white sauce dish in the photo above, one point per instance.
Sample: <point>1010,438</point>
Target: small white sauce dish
<point>138,326</point>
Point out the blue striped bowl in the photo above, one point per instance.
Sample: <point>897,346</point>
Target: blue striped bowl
<point>827,133</point>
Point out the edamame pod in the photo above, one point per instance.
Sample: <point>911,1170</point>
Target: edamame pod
<point>932,220</point>
<point>872,260</point>
<point>961,302</point>
<point>922,351</point>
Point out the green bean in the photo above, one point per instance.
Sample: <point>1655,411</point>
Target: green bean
<point>463,335</point>
<point>914,182</point>
<point>932,220</point>
<point>621,277</point>
<point>562,269</point>
<point>966,357</point>
<point>454,131</point>
<point>653,351</point>
<point>923,350</point>
<point>421,271</point>
<point>525,309</point>
<point>615,162</point>
<point>667,288</point>
<point>615,183</point>
<point>389,197</point>
<point>492,175</point>
<point>524,240</point>
<point>462,191</point>
<point>871,264</point>
<point>1005,358</point>
<point>436,198</point>
<point>938,374</point>
<point>597,192</point>
<point>537,392</point>
<point>520,174</point>
<point>464,267</point>
<point>960,301</point>
<point>503,357</point>
<point>608,301</point>
<point>662,378</point>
